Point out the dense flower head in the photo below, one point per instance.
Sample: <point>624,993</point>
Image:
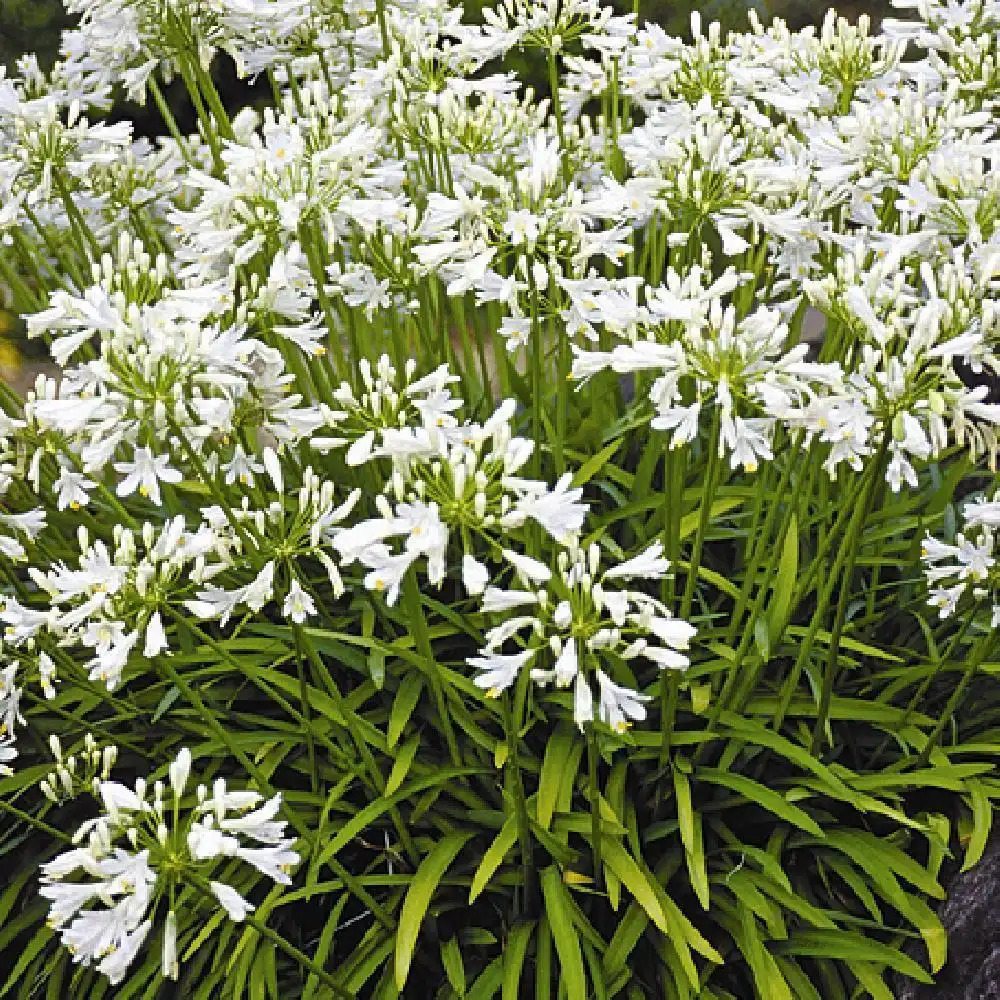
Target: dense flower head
<point>580,618</point>
<point>966,567</point>
<point>143,849</point>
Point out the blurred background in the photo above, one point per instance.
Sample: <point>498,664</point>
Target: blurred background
<point>35,26</point>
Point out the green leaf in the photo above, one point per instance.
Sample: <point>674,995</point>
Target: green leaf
<point>770,983</point>
<point>783,585</point>
<point>401,766</point>
<point>454,967</point>
<point>849,946</point>
<point>982,821</point>
<point>418,898</point>
<point>877,857</point>
<point>758,735</point>
<point>349,830</point>
<point>403,705</point>
<point>493,857</point>
<point>487,982</point>
<point>765,797</point>
<point>513,959</point>
<point>595,463</point>
<point>871,979</point>
<point>553,774</point>
<point>931,930</point>
<point>620,862</point>
<point>26,955</point>
<point>690,828</point>
<point>559,913</point>
<point>722,505</point>
<point>627,935</point>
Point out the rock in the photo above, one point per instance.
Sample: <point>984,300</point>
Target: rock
<point>971,916</point>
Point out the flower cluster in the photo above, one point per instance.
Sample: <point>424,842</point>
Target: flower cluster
<point>104,896</point>
<point>582,619</point>
<point>968,566</point>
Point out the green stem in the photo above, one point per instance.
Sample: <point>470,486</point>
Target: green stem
<point>832,668</point>
<point>558,113</point>
<point>971,666</point>
<point>704,516</point>
<point>595,805</point>
<point>418,623</point>
<point>279,942</point>
<point>33,821</point>
<point>306,710</point>
<point>516,789</point>
<point>169,120</point>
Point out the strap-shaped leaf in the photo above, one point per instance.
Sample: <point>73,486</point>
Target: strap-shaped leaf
<point>765,797</point>
<point>849,946</point>
<point>564,934</point>
<point>554,765</point>
<point>493,857</point>
<point>690,827</point>
<point>513,958</point>
<point>982,821</point>
<point>418,898</point>
<point>621,863</point>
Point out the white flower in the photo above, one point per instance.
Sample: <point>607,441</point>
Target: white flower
<point>499,670</point>
<point>146,473</point>
<point>528,569</point>
<point>169,966</point>
<point>298,604</point>
<point>566,667</point>
<point>275,862</point>
<point>558,510</point>
<point>648,564</point>
<point>475,576</point>
<point>122,954</point>
<point>179,771</point>
<point>619,706</point>
<point>142,849</point>
<point>495,599</point>
<point>156,638</point>
<point>387,571</point>
<point>672,631</point>
<point>583,702</point>
<point>71,489</point>
<point>232,902</point>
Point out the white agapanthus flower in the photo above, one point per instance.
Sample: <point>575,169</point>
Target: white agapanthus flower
<point>115,600</point>
<point>454,485</point>
<point>129,863</point>
<point>573,623</point>
<point>968,566</point>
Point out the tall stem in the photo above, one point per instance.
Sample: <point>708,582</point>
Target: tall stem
<point>853,538</point>
<point>515,787</point>
<point>595,805</point>
<point>418,622</point>
<point>704,516</point>
<point>971,666</point>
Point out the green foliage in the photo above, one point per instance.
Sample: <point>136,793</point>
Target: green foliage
<point>778,827</point>
<point>739,856</point>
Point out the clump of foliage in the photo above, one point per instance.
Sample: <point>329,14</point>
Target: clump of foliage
<point>444,564</point>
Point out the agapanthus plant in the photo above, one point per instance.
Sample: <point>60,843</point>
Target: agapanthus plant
<point>557,512</point>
